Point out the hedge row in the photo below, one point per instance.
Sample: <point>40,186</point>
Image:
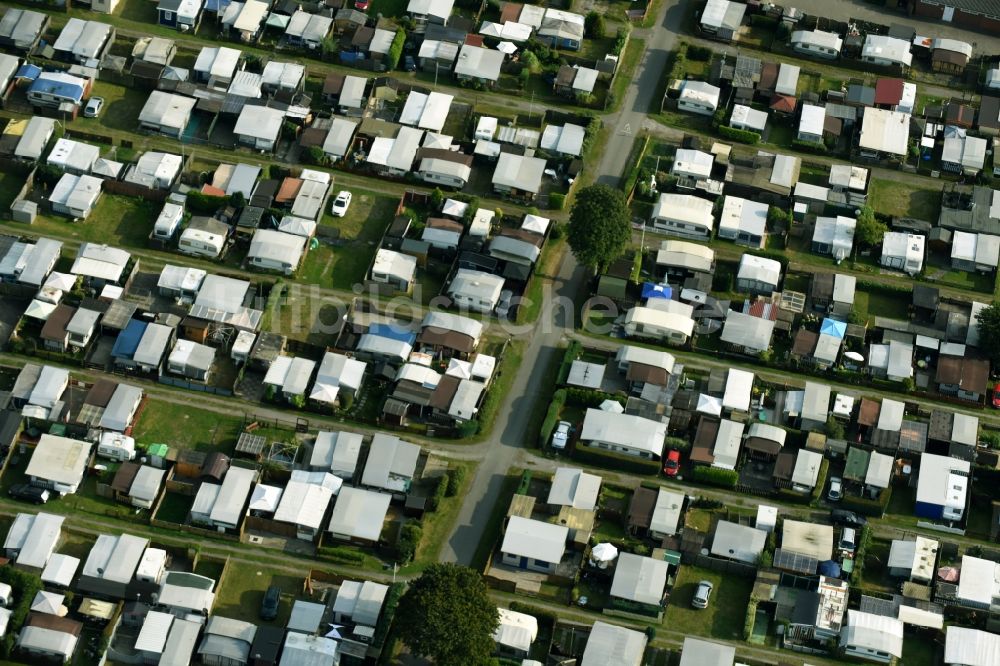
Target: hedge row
<point>551,417</point>
<point>538,613</point>
<point>867,506</point>
<point>713,476</point>
<point>739,135</point>
<point>809,147</point>
<point>24,586</point>
<point>341,554</point>
<point>581,397</point>
<point>616,461</point>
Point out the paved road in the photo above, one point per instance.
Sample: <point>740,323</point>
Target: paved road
<point>639,97</point>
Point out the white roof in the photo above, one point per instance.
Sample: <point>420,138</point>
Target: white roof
<point>338,139</point>
<point>476,285</point>
<point>938,483</point>
<point>340,370</point>
<point>391,462</point>
<point>624,430</point>
<point>100,261</point>
<point>265,498</point>
<point>811,539</point>
<point>744,116</point>
<point>611,644</point>
<point>727,444</point>
<point>448,321</point>
<point>516,630</point>
<point>964,429</point>
<point>767,431</point>
<point>788,78</point>
<point>277,246</point>
<point>308,27</point>
<point>534,539</point>
<point>640,579</point>
<point>919,617</point>
<point>146,485</point>
<point>873,632</point>
<point>153,634</point>
<point>259,122</point>
<point>685,208</point>
<point>566,139</point>
<point>685,254</point>
<point>646,356</point>
<point>426,111</point>
<point>666,512</point>
<point>812,118</point>
<point>217,62</point>
<point>245,84</point>
<point>35,536</point>
<point>304,504</point>
<point>59,459</point>
<point>282,74</point>
<point>879,470</point>
<point>885,131</point>
<point>336,451</point>
<point>437,8</point>
<point>979,580</point>
<point>698,652</point>
<point>738,542</point>
<point>153,344</point>
<point>359,513</point>
<point>291,373</point>
<point>352,93</point>
<point>837,232</point>
<point>970,647</point>
<point>692,162</point>
<point>759,269</point>
<point>918,556</point>
<point>890,416</point>
<point>73,154</point>
<point>747,330</point>
<point>395,264</point>
<point>806,469</point>
<point>519,172</point>
<point>746,215</point>
<point>60,570</point>
<point>659,318</point>
<point>229,504</point>
<point>701,93</point>
<point>479,63</point>
<point>723,14</point>
<point>83,39</point>
<point>167,110</point>
<point>816,402</point>
<point>822,38</point>
<point>247,17</point>
<point>574,487</point>
<point>883,47</point>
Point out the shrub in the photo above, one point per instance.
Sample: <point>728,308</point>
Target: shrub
<point>741,136</point>
<point>346,401</point>
<point>440,490</point>
<point>991,439</point>
<point>593,25</point>
<point>409,539</point>
<point>543,616</point>
<point>395,50</point>
<point>456,476</point>
<point>616,461</point>
<point>313,155</point>
<point>817,491</point>
<point>677,443</point>
<point>557,201</point>
<point>699,53</point>
<point>557,229</point>
<point>750,620</point>
<point>713,476</point>
<point>524,77</point>
<point>341,554</point>
<point>468,428</point>
<point>551,417</point>
<point>809,147</point>
<point>621,39</point>
<point>834,429</point>
<point>392,597</point>
<point>587,397</point>
<point>866,506</point>
<point>437,198</point>
<point>530,61</point>
<point>25,586</point>
<point>204,204</point>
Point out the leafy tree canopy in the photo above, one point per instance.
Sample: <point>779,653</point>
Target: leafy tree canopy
<point>447,616</point>
<point>988,320</point>
<point>869,230</point>
<point>598,230</point>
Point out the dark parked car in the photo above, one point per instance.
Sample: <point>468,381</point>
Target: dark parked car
<point>29,493</point>
<point>269,605</point>
<point>409,64</point>
<point>847,518</point>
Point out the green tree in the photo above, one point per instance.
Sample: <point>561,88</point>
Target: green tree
<point>598,230</point>
<point>395,50</point>
<point>447,616</point>
<point>530,61</point>
<point>869,230</point>
<point>988,321</point>
<point>593,25</point>
<point>834,429</point>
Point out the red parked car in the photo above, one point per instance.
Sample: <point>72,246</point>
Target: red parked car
<point>996,396</point>
<point>361,5</point>
<point>672,463</point>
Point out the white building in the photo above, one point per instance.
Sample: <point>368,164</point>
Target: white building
<point>698,97</point>
<point>683,215</point>
<point>624,433</point>
<point>884,132</point>
<point>903,252</point>
<point>817,43</point>
<point>885,50</point>
<point>834,236</point>
<point>475,290</point>
<point>276,250</point>
<point>744,221</point>
<point>872,637</point>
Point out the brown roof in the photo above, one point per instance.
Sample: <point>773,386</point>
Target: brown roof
<point>969,374</point>
<point>640,509</point>
<point>289,188</point>
<point>444,393</point>
<point>647,374</point>
<point>525,235</point>
<point>55,325</point>
<point>124,477</point>
<point>704,441</point>
<point>783,466</point>
<point>55,623</point>
<point>443,223</point>
<point>565,76</point>
<point>215,465</point>
<point>510,11</point>
<point>312,137</point>
<point>822,286</point>
<point>333,84</point>
<point>761,445</point>
<point>439,337</point>
<point>446,155</point>
<point>868,412</point>
<point>989,112</point>
<point>888,91</point>
<point>940,425</point>
<point>100,393</point>
<point>959,114</point>
<point>952,57</point>
<point>805,342</point>
<point>783,103</point>
<point>768,76</point>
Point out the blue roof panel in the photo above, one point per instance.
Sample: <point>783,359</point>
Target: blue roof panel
<point>393,333</point>
<point>30,72</point>
<point>837,329</point>
<point>650,290</point>
<point>58,88</point>
<point>128,340</point>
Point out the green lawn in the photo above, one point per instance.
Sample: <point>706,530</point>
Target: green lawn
<point>367,218</point>
<point>187,427</point>
<point>340,267</point>
<point>919,650</point>
<point>10,185</point>
<point>437,524</point>
<point>881,304</point>
<point>387,8</point>
<point>121,109</point>
<point>726,612</point>
<point>115,220</point>
<point>899,199</point>
<point>174,508</point>
<point>243,588</point>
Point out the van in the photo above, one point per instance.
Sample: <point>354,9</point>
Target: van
<point>848,539</point>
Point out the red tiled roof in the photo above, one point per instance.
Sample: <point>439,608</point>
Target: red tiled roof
<point>888,91</point>
<point>784,103</point>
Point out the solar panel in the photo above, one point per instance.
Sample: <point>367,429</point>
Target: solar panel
<point>786,559</point>
<point>877,606</point>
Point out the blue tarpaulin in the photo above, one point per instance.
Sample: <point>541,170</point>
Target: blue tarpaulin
<point>650,290</point>
<point>830,569</point>
<point>128,340</point>
<point>393,333</point>
<point>29,72</point>
<point>837,329</point>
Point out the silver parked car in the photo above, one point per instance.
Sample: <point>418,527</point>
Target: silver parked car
<point>702,594</point>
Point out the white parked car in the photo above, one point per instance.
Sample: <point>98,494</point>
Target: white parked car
<point>341,203</point>
<point>561,435</point>
<point>93,108</point>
